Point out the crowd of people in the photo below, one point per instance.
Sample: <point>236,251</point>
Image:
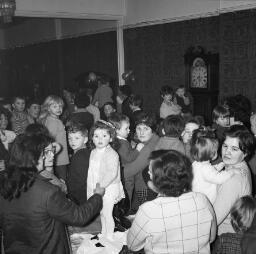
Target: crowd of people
<point>189,187</point>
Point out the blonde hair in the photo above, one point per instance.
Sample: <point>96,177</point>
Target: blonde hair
<point>242,213</point>
<point>51,99</point>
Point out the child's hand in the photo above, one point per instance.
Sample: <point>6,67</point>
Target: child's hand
<point>139,146</point>
<point>99,190</point>
<point>219,166</point>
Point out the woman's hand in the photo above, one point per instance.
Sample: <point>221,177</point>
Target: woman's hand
<point>99,190</point>
<point>139,146</point>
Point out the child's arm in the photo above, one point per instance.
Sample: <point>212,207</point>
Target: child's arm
<point>211,175</point>
<point>110,168</point>
<point>127,153</point>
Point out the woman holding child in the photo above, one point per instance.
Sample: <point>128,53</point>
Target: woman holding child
<point>237,146</point>
<point>145,131</point>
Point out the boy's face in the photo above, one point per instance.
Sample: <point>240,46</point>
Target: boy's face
<point>3,122</point>
<point>223,121</point>
<point>124,131</point>
<point>34,110</point>
<point>19,105</point>
<point>77,140</point>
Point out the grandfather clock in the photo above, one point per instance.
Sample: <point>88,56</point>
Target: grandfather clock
<point>202,80</point>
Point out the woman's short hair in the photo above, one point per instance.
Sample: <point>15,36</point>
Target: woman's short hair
<point>245,138</point>
<point>173,125</point>
<point>148,120</point>
<point>204,145</point>
<point>242,213</point>
<point>172,172</point>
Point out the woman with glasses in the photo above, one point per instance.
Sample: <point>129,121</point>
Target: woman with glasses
<point>34,212</point>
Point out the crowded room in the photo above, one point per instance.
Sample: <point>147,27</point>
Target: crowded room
<point>127,127</point>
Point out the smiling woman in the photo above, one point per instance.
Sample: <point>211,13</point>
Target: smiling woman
<point>238,144</point>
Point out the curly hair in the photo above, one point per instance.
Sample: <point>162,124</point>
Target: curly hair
<point>104,125</point>
<point>21,171</point>
<point>245,138</point>
<point>172,172</point>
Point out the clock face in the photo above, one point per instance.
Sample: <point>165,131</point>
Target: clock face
<point>199,74</point>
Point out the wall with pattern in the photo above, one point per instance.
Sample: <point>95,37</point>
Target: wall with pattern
<point>156,53</point>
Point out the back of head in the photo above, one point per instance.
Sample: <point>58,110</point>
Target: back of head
<point>126,90</point>
<point>116,119</point>
<point>173,125</point>
<point>171,172</point>
<point>204,145</point>
<point>82,100</point>
<point>36,129</point>
<point>136,100</point>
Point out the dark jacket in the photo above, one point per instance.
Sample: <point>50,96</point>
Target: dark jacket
<point>35,222</point>
<point>77,176</point>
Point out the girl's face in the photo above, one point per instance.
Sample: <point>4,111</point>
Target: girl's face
<point>144,133</point>
<point>108,109</point>
<point>55,109</point>
<point>101,138</point>
<point>3,122</point>
<point>231,153</point>
<point>19,105</point>
<point>77,140</point>
<point>47,157</point>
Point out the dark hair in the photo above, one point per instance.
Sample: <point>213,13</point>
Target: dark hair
<point>36,129</point>
<point>126,90</point>
<point>242,213</point>
<point>21,171</point>
<point>21,97</point>
<point>245,138</point>
<point>173,125</point>
<point>76,126</point>
<point>136,100</point>
<point>110,104</point>
<point>104,125</point>
<point>204,145</point>
<point>240,108</point>
<point>219,111</point>
<point>199,119</point>
<point>5,112</point>
<point>171,172</point>
<point>116,119</point>
<point>147,119</point>
<point>82,100</point>
<point>32,102</point>
<point>166,90</point>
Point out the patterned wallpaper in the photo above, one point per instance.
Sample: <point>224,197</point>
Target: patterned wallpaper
<point>156,54</point>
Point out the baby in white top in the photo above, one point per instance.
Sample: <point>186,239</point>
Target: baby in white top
<point>204,149</point>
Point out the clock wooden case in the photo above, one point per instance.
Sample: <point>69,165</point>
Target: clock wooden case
<point>202,80</point>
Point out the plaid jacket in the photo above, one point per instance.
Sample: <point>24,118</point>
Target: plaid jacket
<point>228,243</point>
